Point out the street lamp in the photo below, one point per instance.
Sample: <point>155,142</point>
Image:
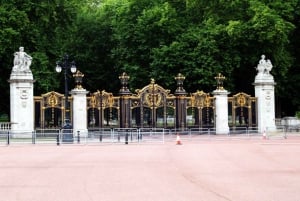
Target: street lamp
<point>66,65</point>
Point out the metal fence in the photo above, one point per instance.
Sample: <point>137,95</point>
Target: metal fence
<point>131,135</point>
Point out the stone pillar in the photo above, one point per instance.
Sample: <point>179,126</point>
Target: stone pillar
<point>79,107</point>
<point>264,91</point>
<point>221,106</point>
<point>79,111</point>
<point>21,95</point>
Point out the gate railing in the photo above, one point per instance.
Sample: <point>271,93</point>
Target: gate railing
<point>130,135</point>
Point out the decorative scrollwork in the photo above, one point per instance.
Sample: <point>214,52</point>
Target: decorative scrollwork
<point>52,100</point>
<point>200,99</point>
<point>153,99</point>
<point>135,103</point>
<point>93,101</point>
<point>242,100</point>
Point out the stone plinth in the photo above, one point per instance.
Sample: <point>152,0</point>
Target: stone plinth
<point>221,102</point>
<point>79,111</point>
<point>21,101</point>
<point>264,91</point>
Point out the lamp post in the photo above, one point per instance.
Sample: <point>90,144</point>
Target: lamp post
<point>66,65</point>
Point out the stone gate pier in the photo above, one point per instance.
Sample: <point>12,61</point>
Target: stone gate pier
<point>21,94</point>
<point>264,91</point>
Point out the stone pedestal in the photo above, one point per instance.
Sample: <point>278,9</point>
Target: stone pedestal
<point>221,104</point>
<point>79,111</point>
<point>21,102</point>
<point>264,91</point>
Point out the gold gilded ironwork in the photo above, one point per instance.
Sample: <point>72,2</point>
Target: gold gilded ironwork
<point>124,78</point>
<point>105,99</point>
<point>153,99</point>
<point>151,106</point>
<point>207,100</point>
<point>242,100</point>
<point>51,109</point>
<point>135,103</point>
<point>200,99</point>
<point>52,100</point>
<point>124,82</point>
<point>242,111</point>
<point>220,79</point>
<point>110,100</point>
<point>102,99</point>
<point>152,81</point>
<point>93,101</point>
<point>201,106</point>
<point>180,78</point>
<point>170,103</point>
<point>78,79</point>
<point>193,101</point>
<point>152,96</point>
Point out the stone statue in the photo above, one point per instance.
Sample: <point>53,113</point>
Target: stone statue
<point>264,66</point>
<point>22,61</point>
<point>269,66</point>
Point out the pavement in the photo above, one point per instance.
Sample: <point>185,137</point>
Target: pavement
<point>211,170</point>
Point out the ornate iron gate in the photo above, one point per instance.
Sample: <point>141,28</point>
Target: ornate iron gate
<point>242,110</point>
<point>50,110</point>
<point>152,106</point>
<point>103,110</point>
<point>201,110</point>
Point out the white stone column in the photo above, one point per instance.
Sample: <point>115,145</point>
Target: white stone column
<point>264,91</point>
<point>79,111</point>
<point>21,95</point>
<point>221,109</point>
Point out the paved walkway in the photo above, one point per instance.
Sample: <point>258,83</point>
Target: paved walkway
<point>235,170</point>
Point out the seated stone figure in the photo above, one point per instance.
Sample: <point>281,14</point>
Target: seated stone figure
<point>264,66</point>
<point>22,61</point>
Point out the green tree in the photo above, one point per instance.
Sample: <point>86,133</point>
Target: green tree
<point>42,28</point>
<point>92,45</point>
<point>155,39</point>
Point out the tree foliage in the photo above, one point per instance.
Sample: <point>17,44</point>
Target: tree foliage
<point>156,39</point>
<point>42,28</point>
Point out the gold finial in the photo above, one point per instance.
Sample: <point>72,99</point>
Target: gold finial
<point>180,77</point>
<point>124,77</point>
<point>78,79</point>
<point>220,79</point>
<point>124,82</point>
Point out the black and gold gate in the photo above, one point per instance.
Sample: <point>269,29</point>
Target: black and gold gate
<point>152,106</point>
<point>103,110</point>
<point>201,110</point>
<point>50,110</point>
<point>242,110</point>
